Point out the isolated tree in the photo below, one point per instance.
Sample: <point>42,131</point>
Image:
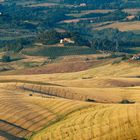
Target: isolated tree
<point>6,58</point>
<point>49,37</point>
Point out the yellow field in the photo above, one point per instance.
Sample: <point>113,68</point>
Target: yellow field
<point>57,107</point>
<point>22,115</point>
<point>102,122</point>
<point>123,26</point>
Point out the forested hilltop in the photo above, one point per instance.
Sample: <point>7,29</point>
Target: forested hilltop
<point>91,23</point>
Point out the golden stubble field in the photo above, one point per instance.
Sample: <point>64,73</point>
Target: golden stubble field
<point>82,105</point>
<point>122,26</point>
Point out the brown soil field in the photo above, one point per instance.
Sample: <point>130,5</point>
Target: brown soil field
<point>123,26</point>
<point>59,67</point>
<point>44,65</point>
<point>84,12</point>
<point>43,5</point>
<point>97,11</point>
<point>132,11</point>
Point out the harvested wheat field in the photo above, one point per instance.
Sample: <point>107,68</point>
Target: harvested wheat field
<point>84,105</point>
<point>101,122</point>
<point>22,114</point>
<point>70,70</point>
<point>123,26</point>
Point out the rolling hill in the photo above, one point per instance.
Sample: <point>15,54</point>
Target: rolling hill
<point>70,70</point>
<point>74,105</point>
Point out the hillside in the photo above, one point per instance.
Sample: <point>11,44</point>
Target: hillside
<point>102,122</point>
<point>69,70</point>
<point>74,105</point>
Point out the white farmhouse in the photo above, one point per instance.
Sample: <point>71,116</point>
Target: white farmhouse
<point>67,40</point>
<point>83,4</point>
<point>136,57</point>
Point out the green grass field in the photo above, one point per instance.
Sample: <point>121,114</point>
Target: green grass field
<point>54,52</point>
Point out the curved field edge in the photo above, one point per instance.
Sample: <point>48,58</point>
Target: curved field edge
<point>121,70</point>
<point>93,84</point>
<point>97,90</point>
<point>59,120</point>
<point>23,115</point>
<point>99,122</point>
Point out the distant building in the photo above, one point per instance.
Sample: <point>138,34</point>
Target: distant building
<point>136,57</point>
<point>38,44</point>
<point>61,41</point>
<point>130,17</point>
<point>91,21</point>
<point>83,4</point>
<point>67,40</point>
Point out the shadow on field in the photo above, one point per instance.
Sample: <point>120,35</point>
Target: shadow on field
<point>9,136</point>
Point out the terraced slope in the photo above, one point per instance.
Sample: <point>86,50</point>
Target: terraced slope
<point>102,122</point>
<point>46,107</point>
<point>56,118</point>
<point>101,90</point>
<point>22,115</point>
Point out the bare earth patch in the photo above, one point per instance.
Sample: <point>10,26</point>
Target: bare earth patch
<point>43,5</point>
<point>123,26</point>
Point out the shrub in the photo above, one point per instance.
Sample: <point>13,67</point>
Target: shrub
<point>127,102</point>
<point>126,57</point>
<point>6,58</point>
<point>116,62</point>
<point>90,100</point>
